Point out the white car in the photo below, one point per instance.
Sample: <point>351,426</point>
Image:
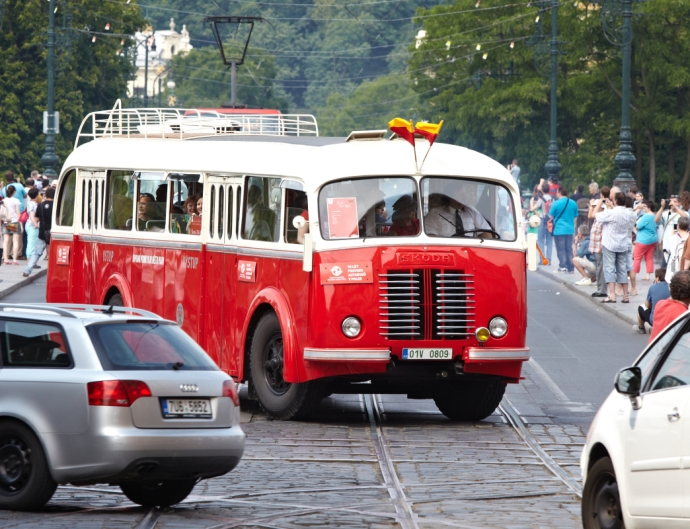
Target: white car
<point>636,459</point>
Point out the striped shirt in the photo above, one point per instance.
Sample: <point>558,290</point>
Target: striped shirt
<point>595,238</point>
<point>617,224</point>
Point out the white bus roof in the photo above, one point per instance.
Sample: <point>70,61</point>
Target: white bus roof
<point>313,160</point>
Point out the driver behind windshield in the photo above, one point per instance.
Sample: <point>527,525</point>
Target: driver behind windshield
<point>454,217</point>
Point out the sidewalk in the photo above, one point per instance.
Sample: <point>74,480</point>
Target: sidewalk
<point>625,311</point>
<point>12,279</point>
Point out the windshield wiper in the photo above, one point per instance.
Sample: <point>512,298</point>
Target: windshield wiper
<point>178,365</point>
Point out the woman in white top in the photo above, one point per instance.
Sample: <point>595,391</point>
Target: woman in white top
<point>11,229</point>
<point>32,223</point>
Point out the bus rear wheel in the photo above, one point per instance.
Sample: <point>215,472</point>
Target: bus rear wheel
<point>278,398</point>
<point>469,400</point>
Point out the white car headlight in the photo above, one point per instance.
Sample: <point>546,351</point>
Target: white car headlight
<point>498,327</point>
<point>351,327</point>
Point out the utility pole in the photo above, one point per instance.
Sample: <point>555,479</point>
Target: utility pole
<point>50,121</point>
<point>553,166</point>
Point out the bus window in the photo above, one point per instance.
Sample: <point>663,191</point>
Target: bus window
<point>151,205</point>
<point>120,201</point>
<point>229,229</point>
<point>358,208</point>
<point>65,205</point>
<point>296,204</point>
<point>212,209</point>
<point>262,209</point>
<point>455,207</point>
<point>238,209</point>
<point>221,208</point>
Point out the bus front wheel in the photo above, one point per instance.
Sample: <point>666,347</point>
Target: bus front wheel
<point>278,398</point>
<point>469,400</point>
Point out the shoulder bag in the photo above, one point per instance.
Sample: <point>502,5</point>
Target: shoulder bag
<point>551,224</point>
<point>46,233</point>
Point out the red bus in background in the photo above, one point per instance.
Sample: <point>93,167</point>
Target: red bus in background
<point>289,273</point>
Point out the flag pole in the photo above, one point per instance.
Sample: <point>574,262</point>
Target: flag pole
<point>427,154</point>
<point>414,148</point>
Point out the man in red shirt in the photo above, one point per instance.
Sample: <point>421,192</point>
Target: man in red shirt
<point>667,310</point>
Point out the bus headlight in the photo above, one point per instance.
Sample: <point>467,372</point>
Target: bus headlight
<point>498,327</point>
<point>482,334</point>
<point>351,327</point>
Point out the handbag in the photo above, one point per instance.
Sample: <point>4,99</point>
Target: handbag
<point>23,217</point>
<point>550,224</point>
<point>12,227</point>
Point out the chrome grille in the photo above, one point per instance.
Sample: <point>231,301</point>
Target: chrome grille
<point>401,305</point>
<point>453,304</point>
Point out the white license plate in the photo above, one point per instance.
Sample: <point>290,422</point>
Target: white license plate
<point>186,408</point>
<point>427,354</point>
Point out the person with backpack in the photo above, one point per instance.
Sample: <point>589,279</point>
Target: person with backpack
<point>563,214</point>
<point>544,237</point>
<point>44,212</point>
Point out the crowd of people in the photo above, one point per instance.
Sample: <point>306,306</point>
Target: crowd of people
<point>26,210</point>
<point>607,235</point>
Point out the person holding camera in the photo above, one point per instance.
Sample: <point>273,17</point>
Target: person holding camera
<point>667,216</point>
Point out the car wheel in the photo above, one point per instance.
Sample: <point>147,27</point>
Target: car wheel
<point>116,300</point>
<point>469,400</point>
<point>601,502</point>
<point>25,481</point>
<point>278,398</point>
<point>158,493</point>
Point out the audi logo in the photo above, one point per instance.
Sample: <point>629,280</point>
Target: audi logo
<point>189,388</point>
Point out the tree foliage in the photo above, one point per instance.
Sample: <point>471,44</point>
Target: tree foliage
<point>90,75</point>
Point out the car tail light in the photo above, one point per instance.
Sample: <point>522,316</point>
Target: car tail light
<point>116,392</point>
<point>230,390</point>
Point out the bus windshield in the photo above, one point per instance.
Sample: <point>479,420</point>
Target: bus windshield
<point>385,207</point>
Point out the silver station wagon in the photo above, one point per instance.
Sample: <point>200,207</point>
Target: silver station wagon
<point>92,394</point>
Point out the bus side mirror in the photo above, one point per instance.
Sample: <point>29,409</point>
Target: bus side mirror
<point>307,264</point>
<point>298,222</point>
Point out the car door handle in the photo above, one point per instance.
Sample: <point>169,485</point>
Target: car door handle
<point>674,416</point>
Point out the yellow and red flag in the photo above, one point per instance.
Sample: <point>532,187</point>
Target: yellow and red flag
<point>402,128</point>
<point>429,130</point>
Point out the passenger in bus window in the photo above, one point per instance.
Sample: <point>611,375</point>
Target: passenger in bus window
<point>192,218</point>
<point>453,216</point>
<point>381,218</point>
<point>405,221</point>
<point>301,204</point>
<point>260,221</point>
<point>147,220</point>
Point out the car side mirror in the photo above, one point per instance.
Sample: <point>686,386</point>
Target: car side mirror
<point>629,381</point>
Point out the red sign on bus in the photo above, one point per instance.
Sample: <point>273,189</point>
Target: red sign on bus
<point>342,218</point>
<point>332,273</point>
<point>247,271</point>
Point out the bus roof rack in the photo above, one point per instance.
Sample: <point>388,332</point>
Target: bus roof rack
<point>366,135</point>
<point>180,123</point>
<point>67,309</point>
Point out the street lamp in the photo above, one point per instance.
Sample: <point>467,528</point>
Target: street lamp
<point>621,35</point>
<point>49,157</point>
<point>146,65</point>
<point>232,49</point>
<point>172,100</point>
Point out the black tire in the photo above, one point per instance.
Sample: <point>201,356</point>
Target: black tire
<point>25,481</point>
<point>158,493</point>
<point>116,300</point>
<point>601,502</point>
<point>278,398</point>
<point>469,400</point>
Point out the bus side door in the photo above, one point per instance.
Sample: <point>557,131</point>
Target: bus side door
<point>86,273</point>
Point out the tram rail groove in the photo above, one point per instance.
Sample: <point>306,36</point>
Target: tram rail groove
<point>150,520</point>
<point>513,418</point>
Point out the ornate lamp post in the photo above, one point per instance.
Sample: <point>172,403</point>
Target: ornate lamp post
<point>616,20</point>
<point>146,64</point>
<point>232,49</point>
<point>50,125</point>
<point>549,49</point>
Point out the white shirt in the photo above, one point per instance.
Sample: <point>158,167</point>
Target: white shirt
<point>668,219</point>
<point>436,221</point>
<point>12,205</point>
<point>618,224</point>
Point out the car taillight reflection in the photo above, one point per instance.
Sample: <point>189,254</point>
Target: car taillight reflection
<point>230,390</point>
<point>116,392</point>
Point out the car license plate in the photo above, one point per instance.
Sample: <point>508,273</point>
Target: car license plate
<point>427,354</point>
<point>187,408</point>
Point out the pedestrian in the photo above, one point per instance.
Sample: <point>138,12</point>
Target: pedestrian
<point>584,260</point>
<point>563,212</point>
<point>667,310</point>
<point>544,236</point>
<point>594,191</point>
<point>45,184</point>
<point>38,178</point>
<point>656,293</point>
<point>677,248</point>
<point>629,256</point>
<point>617,224</point>
<point>645,241</point>
<point>11,227</point>
<point>595,247</point>
<point>667,220</point>
<point>44,212</point>
<point>32,222</point>
<point>553,186</point>
<point>514,170</point>
<point>580,193</point>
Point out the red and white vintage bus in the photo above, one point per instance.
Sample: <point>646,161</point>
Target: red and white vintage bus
<point>312,265</point>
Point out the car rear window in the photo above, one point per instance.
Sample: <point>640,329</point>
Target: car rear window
<point>135,346</point>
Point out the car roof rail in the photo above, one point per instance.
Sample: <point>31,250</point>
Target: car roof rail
<point>107,309</point>
<point>67,309</point>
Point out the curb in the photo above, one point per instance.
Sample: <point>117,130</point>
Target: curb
<point>25,281</point>
<point>570,286</point>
